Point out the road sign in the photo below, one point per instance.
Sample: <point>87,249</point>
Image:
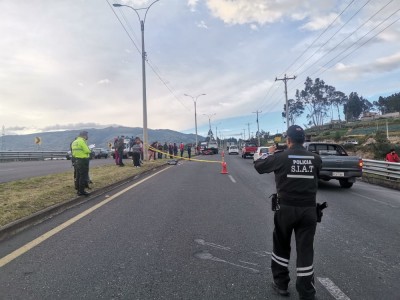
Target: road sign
<point>38,140</point>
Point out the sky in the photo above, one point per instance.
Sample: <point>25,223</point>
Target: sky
<point>73,64</point>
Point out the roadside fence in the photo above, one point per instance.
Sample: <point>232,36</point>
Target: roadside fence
<point>7,156</point>
<point>382,173</point>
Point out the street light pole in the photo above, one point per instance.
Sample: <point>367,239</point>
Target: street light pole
<point>195,114</point>
<point>142,22</point>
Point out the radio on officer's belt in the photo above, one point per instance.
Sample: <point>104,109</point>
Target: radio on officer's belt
<point>275,202</point>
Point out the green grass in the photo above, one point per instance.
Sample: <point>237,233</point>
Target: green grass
<point>24,197</point>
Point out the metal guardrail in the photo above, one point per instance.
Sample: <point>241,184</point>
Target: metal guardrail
<point>6,156</point>
<point>388,170</point>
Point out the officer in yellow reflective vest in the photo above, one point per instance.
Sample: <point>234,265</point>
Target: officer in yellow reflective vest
<point>81,153</point>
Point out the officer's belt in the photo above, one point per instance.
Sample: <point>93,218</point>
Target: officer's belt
<point>298,202</point>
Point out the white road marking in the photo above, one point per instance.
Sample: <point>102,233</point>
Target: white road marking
<point>333,289</point>
<point>263,253</point>
<point>13,255</point>
<point>203,242</point>
<point>373,199</point>
<point>232,179</point>
<point>249,263</point>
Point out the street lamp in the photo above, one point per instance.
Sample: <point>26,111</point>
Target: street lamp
<point>142,22</point>
<point>195,112</point>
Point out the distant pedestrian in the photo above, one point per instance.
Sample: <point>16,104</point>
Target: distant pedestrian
<point>116,156</point>
<point>175,149</point>
<point>392,156</point>
<point>160,150</point>
<point>189,150</point>
<point>136,150</point>
<point>165,149</point>
<point>182,148</point>
<point>120,149</point>
<point>171,150</point>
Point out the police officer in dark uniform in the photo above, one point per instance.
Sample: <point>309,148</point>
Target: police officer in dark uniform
<point>296,176</point>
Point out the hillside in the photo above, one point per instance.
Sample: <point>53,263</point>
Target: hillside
<point>59,141</point>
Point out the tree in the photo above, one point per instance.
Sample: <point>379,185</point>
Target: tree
<point>355,106</point>
<point>388,104</point>
<point>335,99</point>
<point>314,97</point>
<point>296,109</point>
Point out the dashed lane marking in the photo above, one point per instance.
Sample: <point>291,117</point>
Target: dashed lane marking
<point>232,179</point>
<point>333,289</point>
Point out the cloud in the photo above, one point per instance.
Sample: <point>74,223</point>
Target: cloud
<point>202,24</point>
<point>319,22</point>
<point>192,5</point>
<point>104,81</point>
<point>380,65</point>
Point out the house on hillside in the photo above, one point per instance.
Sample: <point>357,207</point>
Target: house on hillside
<point>368,115</point>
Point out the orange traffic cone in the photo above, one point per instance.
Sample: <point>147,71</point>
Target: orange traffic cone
<point>224,170</point>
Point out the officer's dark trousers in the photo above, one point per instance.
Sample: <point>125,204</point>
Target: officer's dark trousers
<point>82,173</point>
<point>303,221</point>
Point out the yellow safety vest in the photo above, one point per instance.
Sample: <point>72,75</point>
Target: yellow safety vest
<point>79,148</point>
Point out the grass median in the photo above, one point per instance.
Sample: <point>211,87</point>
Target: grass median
<point>24,197</point>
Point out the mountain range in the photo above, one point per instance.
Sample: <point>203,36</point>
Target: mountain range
<point>60,140</point>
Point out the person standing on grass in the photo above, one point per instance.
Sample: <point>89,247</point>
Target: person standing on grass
<point>182,148</point>
<point>136,150</point>
<point>81,153</point>
<point>189,150</point>
<point>165,149</point>
<point>120,149</point>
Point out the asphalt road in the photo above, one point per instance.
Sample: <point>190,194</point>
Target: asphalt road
<point>11,171</point>
<point>190,232</point>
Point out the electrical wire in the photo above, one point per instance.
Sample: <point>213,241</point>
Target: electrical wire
<point>147,60</point>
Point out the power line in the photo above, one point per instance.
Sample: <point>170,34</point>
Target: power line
<point>326,29</point>
<point>147,60</point>
<point>337,31</point>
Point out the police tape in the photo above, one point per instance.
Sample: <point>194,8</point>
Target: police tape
<point>185,158</point>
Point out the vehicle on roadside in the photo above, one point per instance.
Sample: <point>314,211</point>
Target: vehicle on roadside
<point>336,163</point>
<point>68,156</point>
<point>126,151</point>
<point>259,152</point>
<point>210,147</point>
<point>233,150</point>
<point>351,142</point>
<point>100,153</point>
<point>248,149</point>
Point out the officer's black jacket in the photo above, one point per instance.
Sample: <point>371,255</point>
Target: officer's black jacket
<point>296,174</point>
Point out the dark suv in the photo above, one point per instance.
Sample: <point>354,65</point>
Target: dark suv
<point>100,152</point>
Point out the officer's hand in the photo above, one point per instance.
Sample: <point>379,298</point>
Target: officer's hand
<point>271,149</point>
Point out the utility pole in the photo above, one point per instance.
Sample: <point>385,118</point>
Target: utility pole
<point>285,79</point>
<point>248,128</point>
<point>258,127</point>
<point>244,133</point>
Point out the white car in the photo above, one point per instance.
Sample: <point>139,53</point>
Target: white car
<point>233,150</point>
<point>260,151</point>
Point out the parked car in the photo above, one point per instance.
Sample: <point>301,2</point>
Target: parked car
<point>100,152</point>
<point>260,151</point>
<point>68,156</point>
<point>351,142</point>
<point>233,150</point>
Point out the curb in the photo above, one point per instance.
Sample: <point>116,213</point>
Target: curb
<point>17,226</point>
